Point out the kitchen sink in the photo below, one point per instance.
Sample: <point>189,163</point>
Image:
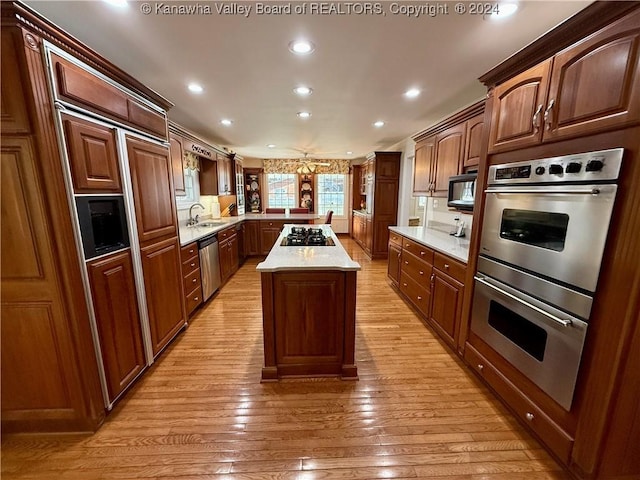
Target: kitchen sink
<point>210,224</point>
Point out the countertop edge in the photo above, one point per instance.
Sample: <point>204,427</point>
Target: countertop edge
<point>455,255</point>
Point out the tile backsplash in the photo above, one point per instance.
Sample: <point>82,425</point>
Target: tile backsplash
<point>440,217</point>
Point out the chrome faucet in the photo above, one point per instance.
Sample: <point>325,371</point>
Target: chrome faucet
<point>193,220</point>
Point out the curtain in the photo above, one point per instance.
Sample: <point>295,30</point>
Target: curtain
<point>281,165</point>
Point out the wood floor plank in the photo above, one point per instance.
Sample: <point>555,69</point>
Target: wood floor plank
<point>200,412</point>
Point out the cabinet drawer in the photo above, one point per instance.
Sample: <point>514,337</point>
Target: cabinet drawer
<point>395,238</point>
<point>451,267</point>
<point>416,293</point>
<point>190,265</point>
<point>416,269</point>
<point>188,251</point>
<point>192,280</point>
<point>418,250</point>
<point>226,234</point>
<point>527,412</point>
<point>194,299</point>
<point>270,224</point>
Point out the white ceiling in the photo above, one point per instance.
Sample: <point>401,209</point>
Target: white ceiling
<point>360,68</point>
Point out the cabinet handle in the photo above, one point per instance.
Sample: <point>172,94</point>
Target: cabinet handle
<point>196,299</point>
<point>194,280</point>
<point>529,416</point>
<point>446,266</point>
<point>421,272</point>
<point>536,118</point>
<point>407,245</point>
<point>193,264</point>
<point>406,263</point>
<point>480,367</point>
<point>548,113</point>
<point>432,277</point>
<point>419,298</point>
<point>422,253</point>
<point>191,250</point>
<point>404,284</point>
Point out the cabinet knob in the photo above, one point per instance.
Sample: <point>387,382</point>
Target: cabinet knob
<point>529,416</point>
<point>194,280</point>
<point>407,245</point>
<point>191,250</point>
<point>421,272</point>
<point>270,224</point>
<point>404,284</point>
<point>406,263</point>
<point>480,367</point>
<point>422,253</point>
<point>193,264</point>
<point>446,266</point>
<point>196,298</point>
<point>419,298</point>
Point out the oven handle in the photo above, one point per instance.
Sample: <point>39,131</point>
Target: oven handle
<point>590,191</point>
<point>565,323</point>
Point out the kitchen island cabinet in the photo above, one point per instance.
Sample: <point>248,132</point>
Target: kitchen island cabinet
<point>309,310</point>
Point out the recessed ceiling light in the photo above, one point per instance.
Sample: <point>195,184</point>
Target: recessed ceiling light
<point>504,10</point>
<point>378,124</point>
<point>195,88</point>
<point>304,114</point>
<point>303,91</point>
<point>412,93</point>
<point>301,47</point>
<point>349,152</point>
<point>116,3</point>
<point>226,122</point>
<point>271,145</point>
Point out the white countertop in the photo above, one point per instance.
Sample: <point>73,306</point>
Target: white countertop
<point>333,257</point>
<point>455,247</point>
<point>191,234</point>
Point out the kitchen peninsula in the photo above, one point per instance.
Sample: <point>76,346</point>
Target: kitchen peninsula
<point>308,307</point>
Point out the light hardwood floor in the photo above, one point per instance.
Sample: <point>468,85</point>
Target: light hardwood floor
<point>202,413</point>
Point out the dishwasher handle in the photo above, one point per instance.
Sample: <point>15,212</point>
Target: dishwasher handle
<point>206,241</point>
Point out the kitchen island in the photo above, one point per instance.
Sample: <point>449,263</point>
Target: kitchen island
<point>308,309</point>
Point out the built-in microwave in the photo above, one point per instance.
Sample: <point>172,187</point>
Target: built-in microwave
<point>103,224</point>
<point>462,191</point>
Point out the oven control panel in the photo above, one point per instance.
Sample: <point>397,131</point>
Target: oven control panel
<point>603,165</point>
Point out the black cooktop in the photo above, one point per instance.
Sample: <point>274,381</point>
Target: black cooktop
<point>302,236</point>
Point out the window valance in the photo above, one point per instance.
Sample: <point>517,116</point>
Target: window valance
<point>287,165</point>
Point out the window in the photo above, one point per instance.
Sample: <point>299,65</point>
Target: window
<point>282,190</point>
<point>191,189</point>
<point>331,193</point>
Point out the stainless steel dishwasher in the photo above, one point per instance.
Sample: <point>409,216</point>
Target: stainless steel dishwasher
<point>209,265</point>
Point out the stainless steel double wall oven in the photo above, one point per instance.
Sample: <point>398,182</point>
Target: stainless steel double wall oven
<point>543,238</point>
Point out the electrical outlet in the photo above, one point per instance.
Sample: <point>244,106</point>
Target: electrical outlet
<point>456,218</point>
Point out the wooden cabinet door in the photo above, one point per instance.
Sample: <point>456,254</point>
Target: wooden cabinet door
<point>163,288</point>
<point>225,175</point>
<point>268,237</point>
<point>422,165</point>
<point>252,237</point>
<point>393,268</point>
<point>13,108</point>
<point>224,256</point>
<point>209,177</point>
<point>152,181</point>
<point>518,109</point>
<point>448,157</point>
<point>368,234</point>
<point>473,143</point>
<point>177,166</point>
<point>234,257</point>
<point>387,166</point>
<point>595,84</point>
<point>116,308</point>
<point>446,305</point>
<point>93,156</point>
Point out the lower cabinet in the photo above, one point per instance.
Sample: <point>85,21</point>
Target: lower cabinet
<point>163,283</point>
<point>228,253</point>
<point>358,229</point>
<point>191,278</point>
<point>116,309</point>
<point>269,233</point>
<point>252,237</point>
<point>432,282</point>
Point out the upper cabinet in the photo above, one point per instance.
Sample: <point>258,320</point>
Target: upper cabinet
<point>589,87</point>
<point>93,156</point>
<point>177,165</point>
<point>78,86</point>
<point>446,149</point>
<point>226,175</point>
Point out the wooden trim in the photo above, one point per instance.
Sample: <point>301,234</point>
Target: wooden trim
<point>270,370</point>
<point>190,137</point>
<point>597,15</point>
<point>451,121</point>
<point>18,14</point>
